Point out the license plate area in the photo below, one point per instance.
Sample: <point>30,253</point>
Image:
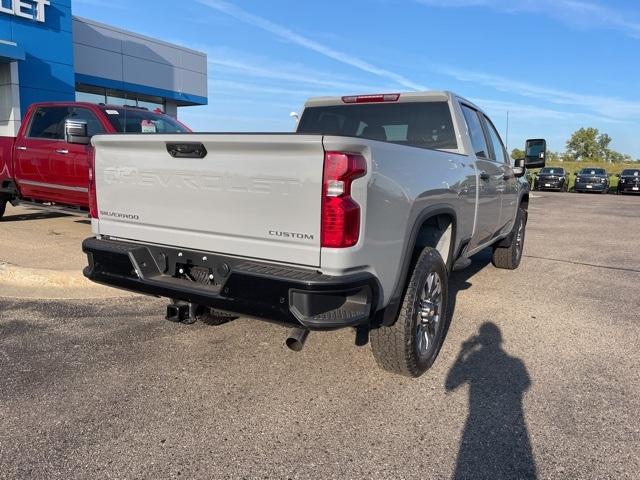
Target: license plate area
<point>194,268</point>
<point>195,273</point>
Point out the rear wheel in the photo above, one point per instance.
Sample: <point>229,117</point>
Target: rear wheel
<point>411,345</point>
<point>3,207</point>
<point>509,257</point>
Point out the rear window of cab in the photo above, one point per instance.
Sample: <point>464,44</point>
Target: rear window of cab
<point>418,124</point>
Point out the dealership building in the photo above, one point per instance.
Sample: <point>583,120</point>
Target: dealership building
<point>47,54</point>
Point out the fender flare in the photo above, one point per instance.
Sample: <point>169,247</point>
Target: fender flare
<point>389,313</point>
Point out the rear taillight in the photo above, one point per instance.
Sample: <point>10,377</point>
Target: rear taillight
<point>383,97</point>
<point>340,212</point>
<point>93,197</point>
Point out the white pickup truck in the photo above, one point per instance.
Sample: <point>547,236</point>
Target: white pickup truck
<point>356,220</point>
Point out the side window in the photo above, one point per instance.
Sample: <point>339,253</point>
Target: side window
<point>93,124</point>
<point>48,123</point>
<point>476,132</point>
<point>498,148</point>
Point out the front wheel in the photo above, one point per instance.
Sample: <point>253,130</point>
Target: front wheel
<point>509,257</point>
<point>411,345</point>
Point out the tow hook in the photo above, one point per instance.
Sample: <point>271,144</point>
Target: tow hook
<point>296,339</point>
<point>179,312</point>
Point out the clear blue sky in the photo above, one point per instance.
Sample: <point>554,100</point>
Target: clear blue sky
<point>556,65</point>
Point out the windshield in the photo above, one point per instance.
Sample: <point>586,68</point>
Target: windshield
<point>552,171</point>
<point>129,120</point>
<point>631,173</point>
<point>593,171</point>
<point>420,124</point>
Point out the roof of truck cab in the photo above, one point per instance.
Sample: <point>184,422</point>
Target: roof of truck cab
<point>428,96</point>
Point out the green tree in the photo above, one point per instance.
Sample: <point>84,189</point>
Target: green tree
<point>554,157</point>
<point>587,144</point>
<point>517,154</point>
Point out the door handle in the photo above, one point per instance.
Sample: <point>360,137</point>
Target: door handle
<point>484,175</point>
<point>508,176</point>
<point>62,151</point>
<point>21,148</point>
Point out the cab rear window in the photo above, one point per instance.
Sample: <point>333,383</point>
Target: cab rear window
<point>419,124</point>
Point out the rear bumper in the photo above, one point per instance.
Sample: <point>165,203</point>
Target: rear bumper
<point>590,187</point>
<point>549,184</point>
<point>628,188</point>
<point>266,291</point>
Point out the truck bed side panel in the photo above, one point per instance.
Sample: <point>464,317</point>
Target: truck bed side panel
<point>404,183</point>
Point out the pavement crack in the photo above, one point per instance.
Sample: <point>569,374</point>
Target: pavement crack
<point>606,267</point>
<point>622,269</point>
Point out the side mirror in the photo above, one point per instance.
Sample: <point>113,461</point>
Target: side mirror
<point>536,154</point>
<point>76,131</point>
<point>518,168</point>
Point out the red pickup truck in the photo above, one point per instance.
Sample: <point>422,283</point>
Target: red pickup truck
<point>47,164</point>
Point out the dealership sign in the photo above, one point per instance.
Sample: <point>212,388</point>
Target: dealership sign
<point>30,9</point>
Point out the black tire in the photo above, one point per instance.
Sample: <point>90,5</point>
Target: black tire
<point>3,207</point>
<point>509,258</point>
<point>411,345</point>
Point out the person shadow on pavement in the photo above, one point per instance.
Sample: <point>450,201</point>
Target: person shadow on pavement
<point>495,443</point>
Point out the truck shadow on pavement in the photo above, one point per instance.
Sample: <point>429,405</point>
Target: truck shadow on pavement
<point>495,443</point>
<point>40,215</point>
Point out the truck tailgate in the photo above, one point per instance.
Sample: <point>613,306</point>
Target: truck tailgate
<point>256,196</point>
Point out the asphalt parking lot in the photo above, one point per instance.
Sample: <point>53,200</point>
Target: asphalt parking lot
<point>538,377</point>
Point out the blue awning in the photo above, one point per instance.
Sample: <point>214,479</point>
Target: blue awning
<point>10,51</point>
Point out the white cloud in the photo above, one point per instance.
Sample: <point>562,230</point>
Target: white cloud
<point>300,40</point>
<point>573,12</point>
<point>611,107</point>
<point>528,112</point>
<point>232,61</point>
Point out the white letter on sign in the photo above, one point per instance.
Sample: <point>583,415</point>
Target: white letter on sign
<point>40,4</point>
<point>21,9</point>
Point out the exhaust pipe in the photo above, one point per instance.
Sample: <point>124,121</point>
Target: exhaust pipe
<point>296,339</point>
